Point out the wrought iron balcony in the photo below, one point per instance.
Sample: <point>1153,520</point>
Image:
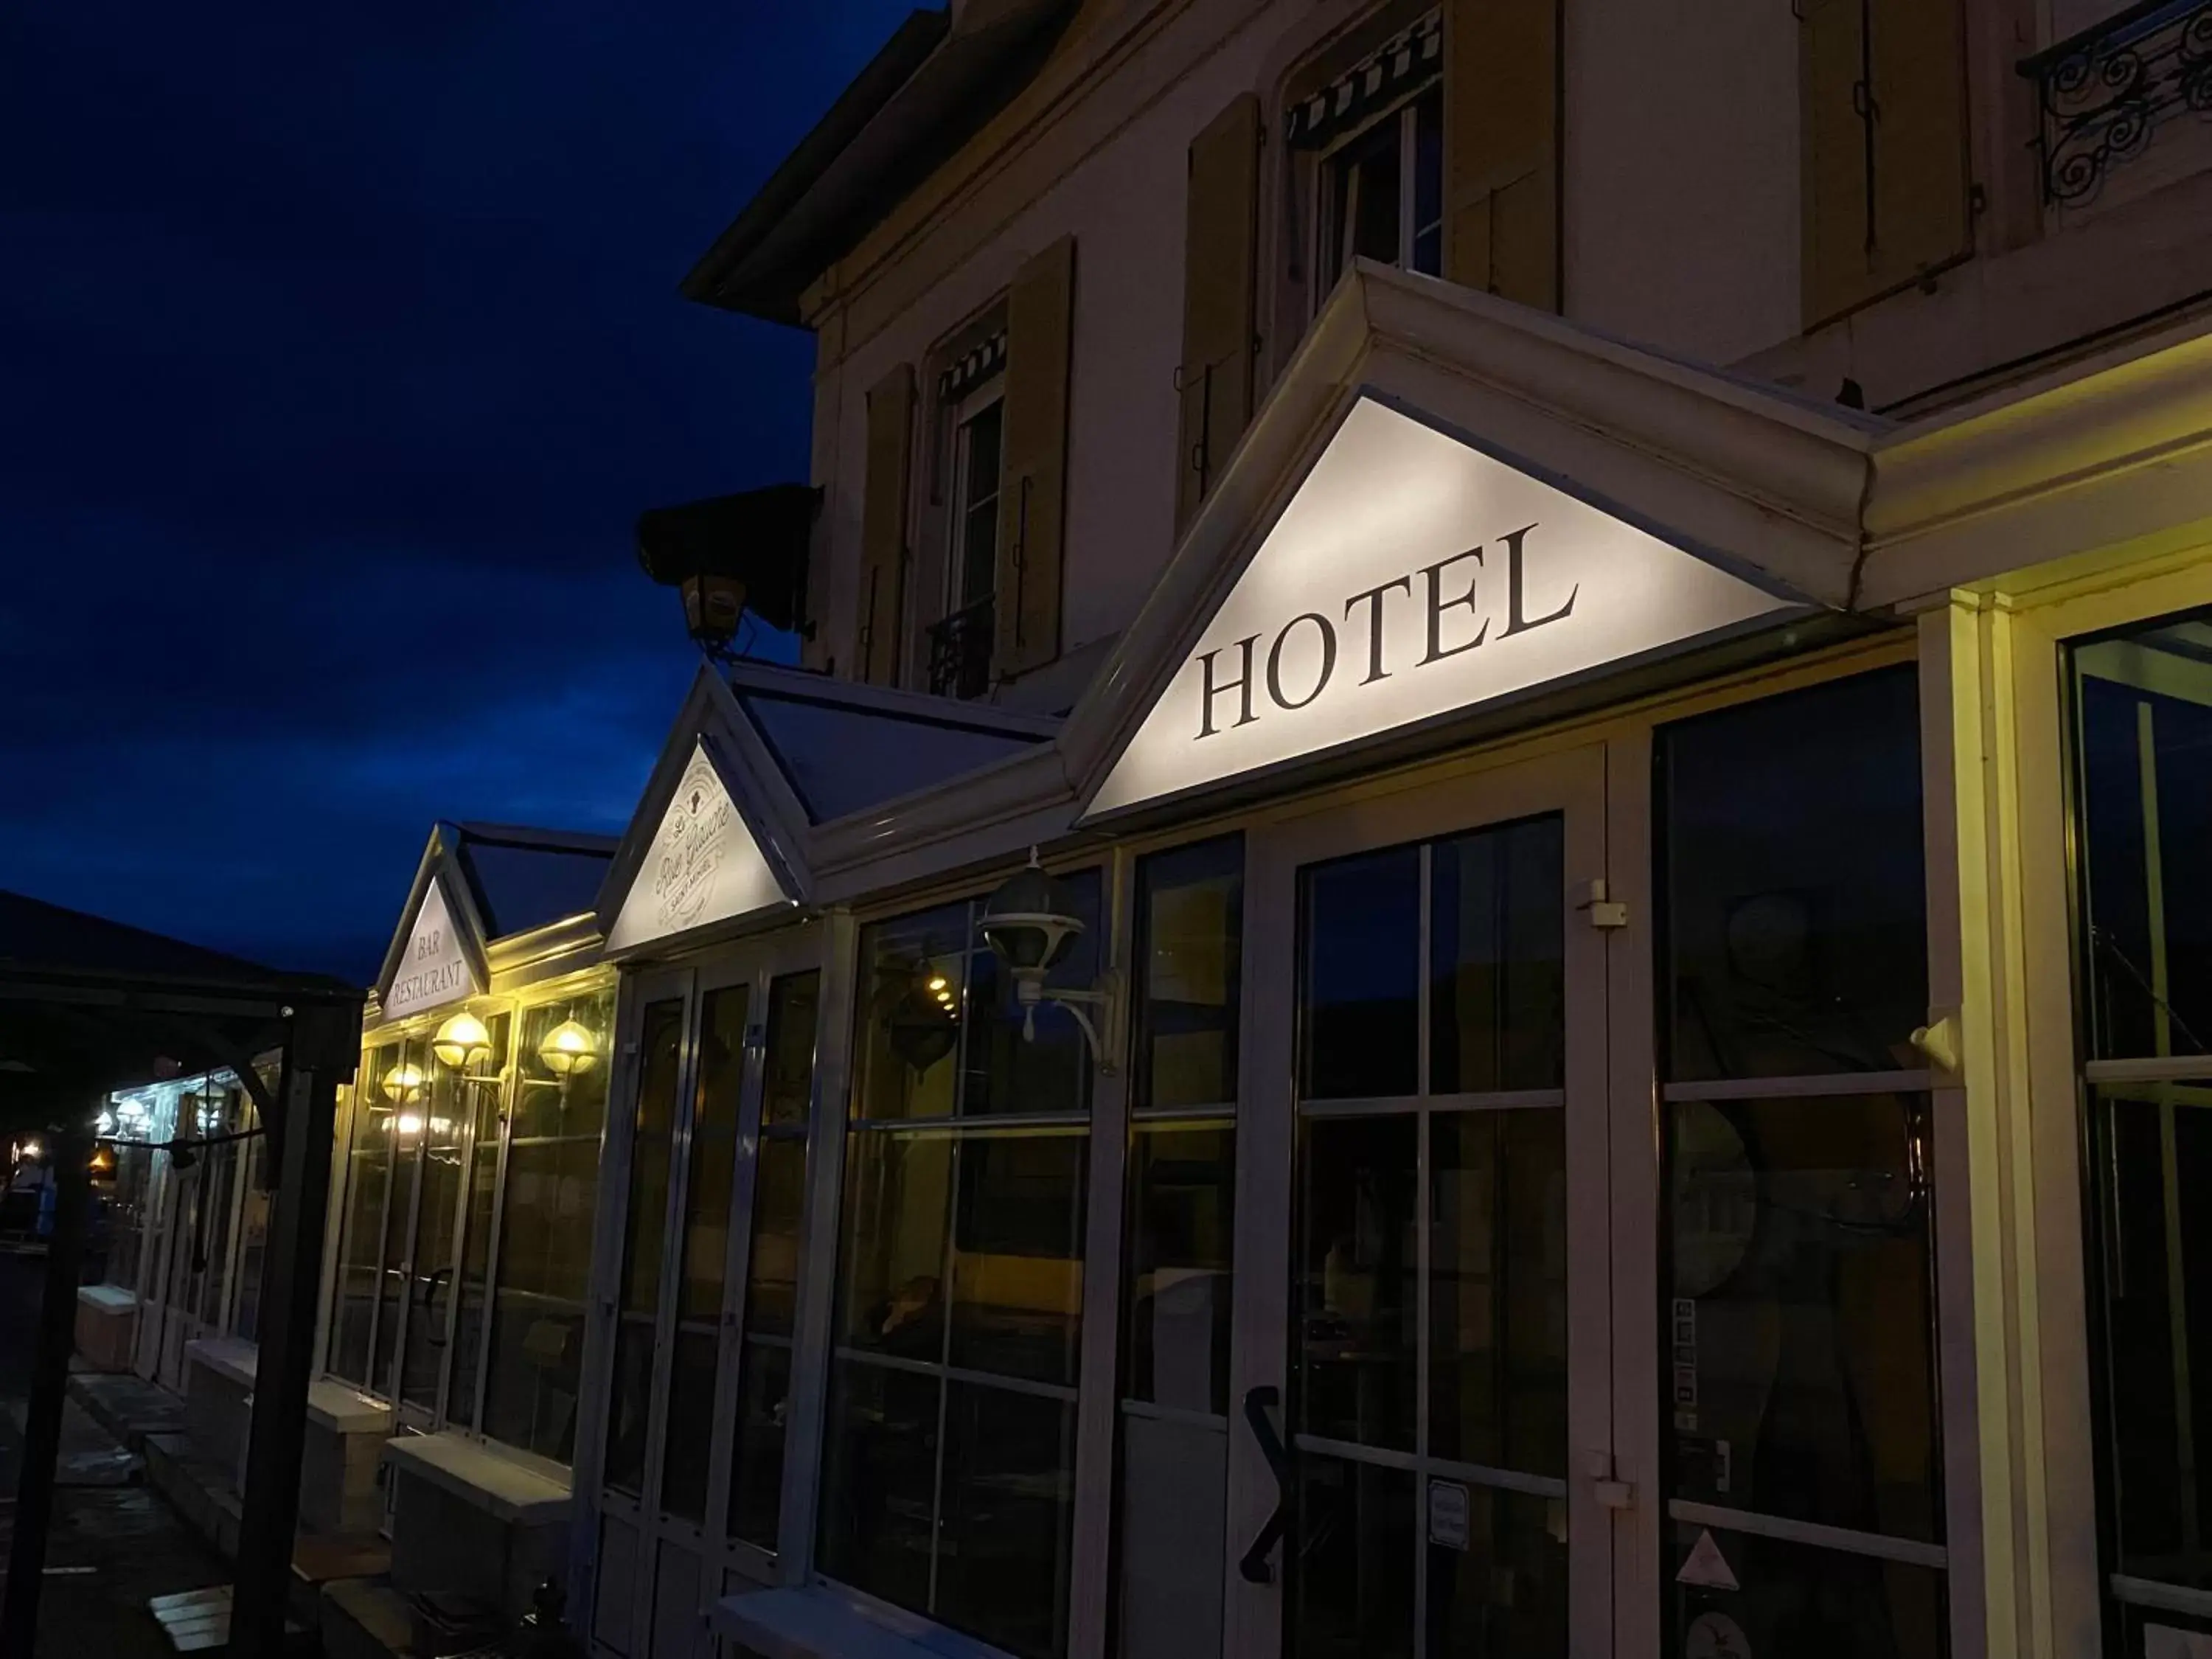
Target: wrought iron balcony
<point>2105,92</point>
<point>960,651</point>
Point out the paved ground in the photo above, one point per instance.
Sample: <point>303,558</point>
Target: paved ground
<point>114,1542</point>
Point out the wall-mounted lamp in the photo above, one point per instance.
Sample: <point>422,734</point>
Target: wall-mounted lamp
<point>1030,927</point>
<point>569,1050</point>
<point>462,1043</point>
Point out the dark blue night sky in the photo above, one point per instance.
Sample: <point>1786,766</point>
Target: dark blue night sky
<point>339,349</point>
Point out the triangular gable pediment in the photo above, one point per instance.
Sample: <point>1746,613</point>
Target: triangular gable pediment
<point>1411,577</point>
<point>1450,508</point>
<point>714,843</point>
<point>437,956</point>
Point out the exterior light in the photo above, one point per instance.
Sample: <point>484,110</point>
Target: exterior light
<point>1030,927</point>
<point>462,1043</point>
<point>31,1149</point>
<point>570,1049</point>
<point>403,1085</point>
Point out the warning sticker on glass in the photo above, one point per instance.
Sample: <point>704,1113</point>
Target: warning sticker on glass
<point>1447,1514</point>
<point>1706,1566</point>
<point>1715,1636</point>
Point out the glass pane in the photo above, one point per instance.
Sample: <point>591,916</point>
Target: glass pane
<point>544,1256</point>
<point>1004,1070</point>
<point>1183,1191</point>
<point>1497,954</point>
<point>661,1043</point>
<point>1359,1024</point>
<point>406,1088</point>
<point>2146,791</point>
<point>913,994</point>
<point>756,1476</point>
<point>2153,1145</point>
<point>1498,1572</point>
<point>685,1464</point>
<point>1017,1255</point>
<point>1498,1290</point>
<point>1800,1600</point>
<point>1796,894</point>
<point>474,1286</point>
<point>788,1085</point>
<point>779,1209</point>
<point>714,1152</point>
<point>1351,1580</point>
<point>1003,1564</point>
<point>629,1404</point>
<point>879,1482</point>
<point>1354,1297</point>
<point>891,1290</point>
<point>1190,930</point>
<point>1429,183</point>
<point>369,1178</point>
<point>437,1214</point>
<point>1174,1479</point>
<point>1803,1376</point>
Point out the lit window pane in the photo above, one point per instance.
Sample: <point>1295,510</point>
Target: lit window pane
<point>1190,934</point>
<point>1017,1255</point>
<point>913,994</point>
<point>891,1293</point>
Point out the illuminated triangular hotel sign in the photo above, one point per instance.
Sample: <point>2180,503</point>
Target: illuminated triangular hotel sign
<point>1412,577</point>
<point>703,867</point>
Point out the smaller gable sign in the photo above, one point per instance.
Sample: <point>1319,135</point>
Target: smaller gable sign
<point>1412,576</point>
<point>434,967</point>
<point>703,865</point>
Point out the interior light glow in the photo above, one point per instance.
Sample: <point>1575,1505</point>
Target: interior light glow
<point>403,1085</point>
<point>408,1123</point>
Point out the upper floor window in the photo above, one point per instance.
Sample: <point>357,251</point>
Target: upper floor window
<point>1382,193</point>
<point>971,393</point>
<point>978,446</point>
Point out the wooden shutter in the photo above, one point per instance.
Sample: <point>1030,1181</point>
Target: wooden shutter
<point>881,612</point>
<point>1221,225</point>
<point>1502,148</point>
<point>1884,148</point>
<point>1033,484</point>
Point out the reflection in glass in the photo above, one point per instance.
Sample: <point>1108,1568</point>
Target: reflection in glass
<point>1354,1293</point>
<point>770,1319</point>
<point>544,1256</point>
<point>368,1177</point>
<point>757,1477</point>
<point>1498,1290</point>
<point>1795,885</point>
<point>879,1482</point>
<point>2152,1148</point>
<point>1360,944</point>
<point>914,992</point>
<point>1189,949</point>
<point>1017,1255</point>
<point>1349,1588</point>
<point>404,1091</point>
<point>1497,972</point>
<point>441,1144</point>
<point>1497,1572</point>
<point>685,1462</point>
<point>891,1293</point>
<point>1002,1071</point>
<point>772,1264</point>
<point>481,1094</point>
<point>2145,793</point>
<point>788,1085</point>
<point>1798,1599</point>
<point>1182,1190</point>
<point>1801,1325</point>
<point>1006,1517</point>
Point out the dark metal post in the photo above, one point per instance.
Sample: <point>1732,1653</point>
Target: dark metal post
<point>324,1048</point>
<point>42,1427</point>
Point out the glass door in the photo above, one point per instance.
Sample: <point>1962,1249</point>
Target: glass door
<point>1422,1464</point>
<point>690,1473</point>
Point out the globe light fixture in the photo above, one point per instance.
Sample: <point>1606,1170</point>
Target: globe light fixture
<point>403,1085</point>
<point>462,1043</point>
<point>569,1050</point>
<point>1030,925</point>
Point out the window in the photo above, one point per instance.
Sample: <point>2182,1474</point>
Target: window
<point>490,1168</point>
<point>2142,728</point>
<point>1381,193</point>
<point>1800,1280</point>
<point>961,645</point>
<point>948,1476</point>
<point>1182,1183</point>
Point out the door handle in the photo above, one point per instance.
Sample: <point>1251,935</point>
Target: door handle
<point>438,1276</point>
<point>1257,1402</point>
